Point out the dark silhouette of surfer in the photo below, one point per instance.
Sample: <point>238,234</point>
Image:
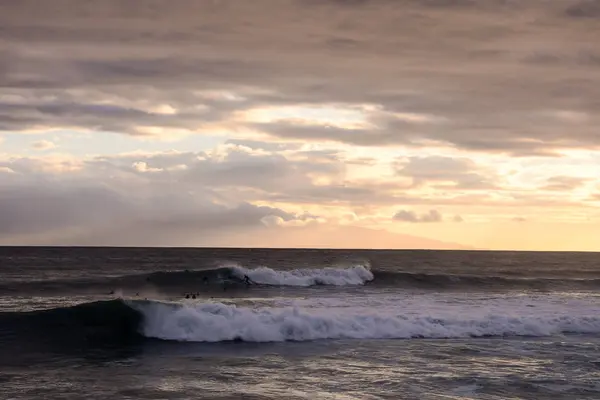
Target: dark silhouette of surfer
<point>247,280</point>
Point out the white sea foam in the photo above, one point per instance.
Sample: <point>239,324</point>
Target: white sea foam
<point>356,275</point>
<point>214,322</point>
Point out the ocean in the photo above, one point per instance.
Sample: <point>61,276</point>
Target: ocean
<point>169,323</point>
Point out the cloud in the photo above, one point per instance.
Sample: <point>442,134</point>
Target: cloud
<point>411,216</point>
<point>458,173</point>
<point>141,166</point>
<point>93,214</point>
<point>293,175</point>
<point>77,113</point>
<point>564,183</point>
<point>220,195</point>
<point>595,197</point>
<point>107,200</point>
<point>342,110</point>
<point>267,146</point>
<point>347,237</point>
<point>468,64</point>
<point>584,9</point>
<point>43,145</point>
<point>143,199</point>
<point>39,208</point>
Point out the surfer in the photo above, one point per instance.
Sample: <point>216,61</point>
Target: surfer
<point>247,280</point>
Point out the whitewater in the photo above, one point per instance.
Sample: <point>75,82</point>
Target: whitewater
<point>305,324</point>
<point>356,275</point>
<point>396,318</point>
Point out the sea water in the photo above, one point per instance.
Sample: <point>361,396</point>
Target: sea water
<point>101,323</point>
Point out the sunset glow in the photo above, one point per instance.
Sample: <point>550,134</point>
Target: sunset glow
<point>342,124</point>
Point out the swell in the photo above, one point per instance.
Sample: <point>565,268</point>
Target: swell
<point>458,281</point>
<point>73,330</point>
<point>166,280</point>
<point>232,278</point>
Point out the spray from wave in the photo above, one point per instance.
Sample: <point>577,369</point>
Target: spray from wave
<point>357,275</point>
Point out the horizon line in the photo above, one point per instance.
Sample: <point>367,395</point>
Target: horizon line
<point>295,248</point>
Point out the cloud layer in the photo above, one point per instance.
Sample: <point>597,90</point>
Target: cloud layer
<point>289,114</point>
<point>473,74</point>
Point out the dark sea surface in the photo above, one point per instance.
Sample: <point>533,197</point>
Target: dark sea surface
<point>100,323</point>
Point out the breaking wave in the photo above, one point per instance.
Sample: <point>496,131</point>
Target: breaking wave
<point>215,322</point>
<point>232,277</point>
<point>357,275</point>
<point>126,322</point>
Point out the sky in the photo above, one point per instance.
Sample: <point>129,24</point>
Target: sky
<point>435,124</point>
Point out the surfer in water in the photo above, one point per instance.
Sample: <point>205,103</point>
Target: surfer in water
<point>247,280</point>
